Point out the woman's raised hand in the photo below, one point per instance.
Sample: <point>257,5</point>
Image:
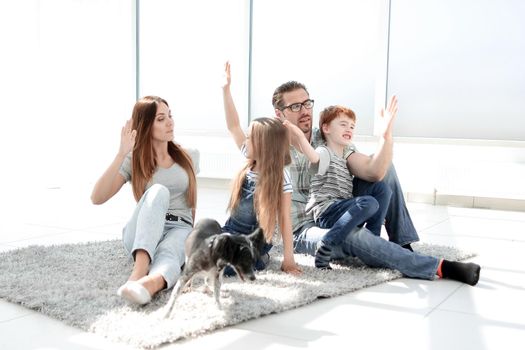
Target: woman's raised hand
<point>127,139</point>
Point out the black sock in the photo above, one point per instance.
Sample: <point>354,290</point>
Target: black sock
<point>322,256</point>
<point>408,246</point>
<point>463,272</point>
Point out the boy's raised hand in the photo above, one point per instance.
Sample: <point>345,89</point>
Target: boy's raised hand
<point>388,116</point>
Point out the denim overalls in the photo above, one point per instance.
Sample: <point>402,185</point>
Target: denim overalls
<point>243,221</point>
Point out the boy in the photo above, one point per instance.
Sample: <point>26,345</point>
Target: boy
<point>331,201</point>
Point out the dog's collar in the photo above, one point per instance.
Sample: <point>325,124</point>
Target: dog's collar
<point>210,245</point>
<point>252,247</point>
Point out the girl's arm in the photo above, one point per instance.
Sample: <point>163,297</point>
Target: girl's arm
<point>232,117</point>
<point>285,223</point>
<point>111,181</point>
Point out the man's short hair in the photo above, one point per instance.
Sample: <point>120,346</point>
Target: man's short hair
<point>277,98</point>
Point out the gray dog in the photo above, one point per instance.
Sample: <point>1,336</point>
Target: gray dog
<point>209,250</point>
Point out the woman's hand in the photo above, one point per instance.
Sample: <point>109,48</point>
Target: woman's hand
<point>291,267</point>
<point>127,139</point>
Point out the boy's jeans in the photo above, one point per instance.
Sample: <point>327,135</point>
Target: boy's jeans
<point>344,215</point>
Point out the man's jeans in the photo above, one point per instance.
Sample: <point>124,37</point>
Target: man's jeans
<point>372,250</point>
<point>398,223</point>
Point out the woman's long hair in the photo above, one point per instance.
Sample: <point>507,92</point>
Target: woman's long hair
<point>271,152</point>
<point>143,163</point>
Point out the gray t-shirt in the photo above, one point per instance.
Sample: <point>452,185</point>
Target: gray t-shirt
<point>174,178</point>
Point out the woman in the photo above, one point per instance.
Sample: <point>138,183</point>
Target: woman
<point>162,176</point>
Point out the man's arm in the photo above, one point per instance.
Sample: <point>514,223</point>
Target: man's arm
<point>373,168</point>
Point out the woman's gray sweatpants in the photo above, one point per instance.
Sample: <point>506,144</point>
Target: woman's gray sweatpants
<point>162,240</point>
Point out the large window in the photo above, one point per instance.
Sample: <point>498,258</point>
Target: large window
<point>67,86</point>
<point>337,48</point>
<point>459,69</point>
<point>68,71</point>
<point>183,48</point>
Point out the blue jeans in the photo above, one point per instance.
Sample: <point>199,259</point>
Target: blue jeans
<point>372,250</point>
<point>398,223</point>
<point>342,216</point>
<point>243,221</point>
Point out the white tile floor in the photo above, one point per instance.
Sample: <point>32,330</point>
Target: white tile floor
<point>403,314</point>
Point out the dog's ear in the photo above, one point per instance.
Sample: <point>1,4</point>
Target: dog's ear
<point>223,247</point>
<point>257,238</point>
<point>215,227</point>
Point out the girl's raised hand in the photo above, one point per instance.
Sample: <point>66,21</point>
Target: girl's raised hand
<point>227,76</point>
<point>127,139</point>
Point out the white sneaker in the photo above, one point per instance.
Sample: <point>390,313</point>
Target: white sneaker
<point>134,293</point>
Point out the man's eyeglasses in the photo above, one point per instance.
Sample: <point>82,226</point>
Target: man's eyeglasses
<point>296,107</point>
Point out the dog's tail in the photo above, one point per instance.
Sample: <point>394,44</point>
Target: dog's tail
<point>171,302</point>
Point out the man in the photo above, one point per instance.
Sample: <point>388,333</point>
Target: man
<point>293,105</point>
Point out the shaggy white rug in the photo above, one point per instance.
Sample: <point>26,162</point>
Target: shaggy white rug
<point>77,284</point>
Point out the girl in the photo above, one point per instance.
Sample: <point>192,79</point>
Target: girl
<point>162,176</point>
<point>261,194</point>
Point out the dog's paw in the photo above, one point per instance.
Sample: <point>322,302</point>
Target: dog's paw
<point>188,287</point>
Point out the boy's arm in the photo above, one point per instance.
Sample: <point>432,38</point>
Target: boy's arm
<point>299,141</point>
<point>373,168</point>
